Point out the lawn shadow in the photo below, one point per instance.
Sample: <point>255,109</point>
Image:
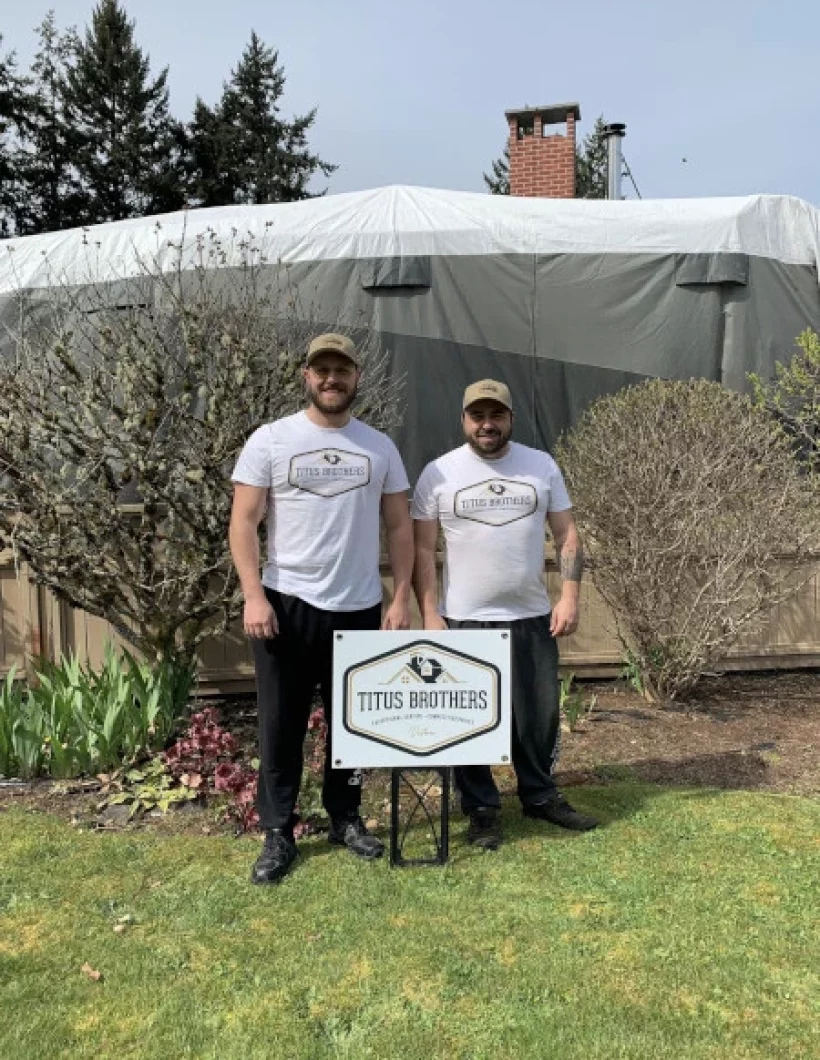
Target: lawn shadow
<point>730,770</point>
<point>617,791</point>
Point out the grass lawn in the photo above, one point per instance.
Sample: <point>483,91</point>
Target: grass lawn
<point>685,928</point>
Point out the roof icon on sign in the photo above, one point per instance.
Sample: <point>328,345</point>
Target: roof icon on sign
<point>423,669</point>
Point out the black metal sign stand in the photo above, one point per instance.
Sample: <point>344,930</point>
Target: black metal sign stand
<point>421,795</point>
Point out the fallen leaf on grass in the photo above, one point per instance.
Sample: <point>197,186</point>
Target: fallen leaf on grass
<point>92,973</point>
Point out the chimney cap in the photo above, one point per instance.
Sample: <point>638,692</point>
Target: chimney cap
<point>615,128</point>
<point>550,113</point>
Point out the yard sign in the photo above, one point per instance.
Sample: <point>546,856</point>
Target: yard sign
<point>421,698</point>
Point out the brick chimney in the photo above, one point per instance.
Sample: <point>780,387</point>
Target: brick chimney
<point>542,158</point>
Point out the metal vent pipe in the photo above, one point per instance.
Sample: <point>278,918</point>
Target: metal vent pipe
<point>614,133</point>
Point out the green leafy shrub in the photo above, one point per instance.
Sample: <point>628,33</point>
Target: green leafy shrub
<point>150,787</point>
<point>793,396</point>
<point>70,720</point>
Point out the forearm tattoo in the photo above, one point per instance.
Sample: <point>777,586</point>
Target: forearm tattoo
<point>571,565</point>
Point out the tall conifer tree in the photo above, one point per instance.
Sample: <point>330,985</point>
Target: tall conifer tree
<point>243,150</point>
<point>52,197</point>
<point>498,182</point>
<point>15,106</point>
<point>126,142</point>
<point>591,164</point>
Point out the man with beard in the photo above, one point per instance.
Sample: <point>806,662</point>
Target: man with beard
<point>322,478</point>
<point>492,498</point>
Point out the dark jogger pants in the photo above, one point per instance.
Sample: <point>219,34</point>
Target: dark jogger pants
<point>288,669</point>
<point>536,723</point>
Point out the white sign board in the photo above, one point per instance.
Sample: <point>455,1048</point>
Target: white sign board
<point>415,698</point>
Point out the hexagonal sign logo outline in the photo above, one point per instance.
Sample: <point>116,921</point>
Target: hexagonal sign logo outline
<point>486,501</point>
<point>401,655</point>
<point>329,472</point>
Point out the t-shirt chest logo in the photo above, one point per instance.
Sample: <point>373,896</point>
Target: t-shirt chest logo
<point>496,501</point>
<point>329,472</point>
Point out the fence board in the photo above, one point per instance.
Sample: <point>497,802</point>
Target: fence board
<point>32,620</point>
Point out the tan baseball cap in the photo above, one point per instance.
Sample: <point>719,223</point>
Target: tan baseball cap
<point>487,390</point>
<point>332,343</point>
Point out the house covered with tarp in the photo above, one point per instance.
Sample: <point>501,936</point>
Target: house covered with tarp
<point>564,300</point>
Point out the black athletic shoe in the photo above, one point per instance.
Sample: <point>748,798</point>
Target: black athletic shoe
<point>351,832</point>
<point>484,829</point>
<point>558,811</point>
<point>278,854</point>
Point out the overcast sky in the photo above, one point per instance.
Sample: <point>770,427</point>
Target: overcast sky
<point>720,97</point>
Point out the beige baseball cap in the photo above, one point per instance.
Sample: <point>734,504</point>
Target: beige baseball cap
<point>332,342</point>
<point>487,390</point>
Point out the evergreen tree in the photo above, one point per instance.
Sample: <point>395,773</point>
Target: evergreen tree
<point>15,107</point>
<point>52,198</point>
<point>243,151</point>
<point>591,164</point>
<point>127,145</point>
<point>212,181</point>
<point>498,183</point>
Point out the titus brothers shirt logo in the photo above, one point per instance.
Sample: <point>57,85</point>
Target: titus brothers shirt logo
<point>329,472</point>
<point>496,501</point>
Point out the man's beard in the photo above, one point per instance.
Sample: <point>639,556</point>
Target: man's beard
<point>492,445</point>
<point>339,401</point>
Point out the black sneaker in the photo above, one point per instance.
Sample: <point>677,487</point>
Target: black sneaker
<point>278,854</point>
<point>558,811</point>
<point>484,829</point>
<point>351,832</point>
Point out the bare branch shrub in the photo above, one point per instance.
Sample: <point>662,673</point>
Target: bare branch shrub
<point>696,519</point>
<point>123,407</point>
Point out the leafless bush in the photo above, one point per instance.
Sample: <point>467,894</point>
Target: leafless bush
<point>695,517</point>
<point>122,409</point>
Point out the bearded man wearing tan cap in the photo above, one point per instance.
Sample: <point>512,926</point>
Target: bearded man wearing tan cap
<point>492,498</point>
<point>322,478</point>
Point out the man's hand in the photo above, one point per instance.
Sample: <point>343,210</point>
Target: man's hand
<point>397,616</point>
<point>259,619</point>
<point>564,618</point>
<point>434,621</point>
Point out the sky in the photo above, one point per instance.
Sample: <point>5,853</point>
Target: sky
<point>719,97</point>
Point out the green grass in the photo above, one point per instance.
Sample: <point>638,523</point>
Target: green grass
<point>683,929</point>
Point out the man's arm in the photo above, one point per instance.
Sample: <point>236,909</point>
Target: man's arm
<point>424,572</point>
<point>571,567</point>
<point>396,515</point>
<point>249,506</point>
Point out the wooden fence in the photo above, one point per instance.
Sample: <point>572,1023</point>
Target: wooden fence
<point>33,621</point>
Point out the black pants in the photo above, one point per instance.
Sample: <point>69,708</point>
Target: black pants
<point>288,669</point>
<point>536,724</point>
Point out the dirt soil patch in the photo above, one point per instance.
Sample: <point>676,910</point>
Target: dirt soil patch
<point>756,732</point>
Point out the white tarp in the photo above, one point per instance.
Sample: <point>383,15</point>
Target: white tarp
<point>400,221</point>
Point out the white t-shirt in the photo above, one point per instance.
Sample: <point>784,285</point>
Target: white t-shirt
<point>324,491</point>
<point>492,513</point>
